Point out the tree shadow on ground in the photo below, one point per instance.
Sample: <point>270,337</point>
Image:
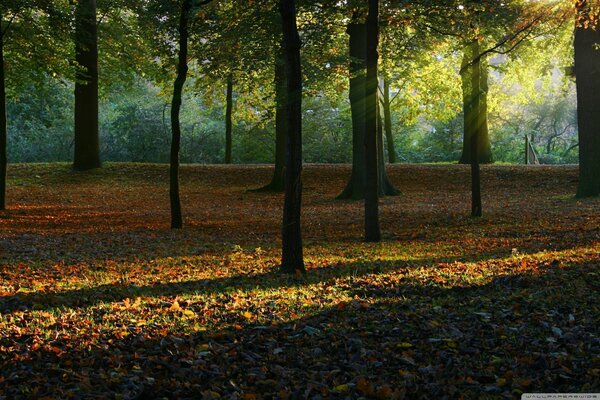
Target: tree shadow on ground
<point>269,279</point>
<point>528,332</point>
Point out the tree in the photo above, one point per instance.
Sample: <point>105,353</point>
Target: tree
<point>372,231</point>
<point>182,69</point>
<point>475,115</point>
<point>355,189</point>
<point>228,122</point>
<point>87,142</point>
<point>387,117</point>
<point>277,183</point>
<point>292,257</point>
<point>476,126</point>
<point>587,69</point>
<point>3,124</point>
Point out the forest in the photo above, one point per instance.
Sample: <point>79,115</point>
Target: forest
<point>299,199</point>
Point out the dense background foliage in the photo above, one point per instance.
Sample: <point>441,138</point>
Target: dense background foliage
<point>529,91</point>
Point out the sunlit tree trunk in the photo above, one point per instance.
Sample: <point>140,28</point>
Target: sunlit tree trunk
<point>372,230</point>
<point>355,188</point>
<point>182,68</point>
<point>228,122</point>
<point>387,117</point>
<point>480,119</point>
<point>292,260</point>
<point>476,130</point>
<point>587,70</point>
<point>3,123</point>
<point>87,142</point>
<point>385,185</point>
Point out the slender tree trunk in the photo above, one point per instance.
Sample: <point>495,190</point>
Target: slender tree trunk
<point>387,116</point>
<point>87,142</point>
<point>277,181</point>
<point>228,122</point>
<point>292,260</point>
<point>485,147</point>
<point>182,68</point>
<point>372,231</point>
<point>385,186</point>
<point>476,129</point>
<point>3,123</point>
<point>479,119</point>
<point>587,70</point>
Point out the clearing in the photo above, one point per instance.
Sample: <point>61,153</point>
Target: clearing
<point>100,299</point>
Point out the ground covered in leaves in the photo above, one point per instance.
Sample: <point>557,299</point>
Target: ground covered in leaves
<point>100,299</point>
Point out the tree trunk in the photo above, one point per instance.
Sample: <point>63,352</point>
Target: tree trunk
<point>357,70</point>
<point>355,188</point>
<point>277,181</point>
<point>292,260</point>
<point>372,231</point>
<point>87,143</point>
<point>480,119</point>
<point>3,124</point>
<point>385,186</point>
<point>587,70</point>
<point>476,129</point>
<point>228,123</point>
<point>387,116</point>
<point>182,68</point>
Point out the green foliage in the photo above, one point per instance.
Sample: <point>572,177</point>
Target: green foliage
<point>421,44</point>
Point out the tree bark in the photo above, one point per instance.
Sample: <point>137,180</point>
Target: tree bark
<point>587,69</point>
<point>3,123</point>
<point>480,119</point>
<point>228,122</point>
<point>357,70</point>
<point>355,188</point>
<point>292,260</point>
<point>372,230</point>
<point>87,142</point>
<point>277,181</point>
<point>476,129</point>
<point>182,68</point>
<point>385,185</point>
<point>387,117</point>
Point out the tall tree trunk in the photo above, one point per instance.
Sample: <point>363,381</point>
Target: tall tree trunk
<point>355,188</point>
<point>476,129</point>
<point>587,70</point>
<point>387,117</point>
<point>87,142</point>
<point>385,185</point>
<point>228,122</point>
<point>277,181</point>
<point>372,231</point>
<point>182,68</point>
<point>480,119</point>
<point>292,260</point>
<point>357,70</point>
<point>3,123</point>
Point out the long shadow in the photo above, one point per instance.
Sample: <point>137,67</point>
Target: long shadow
<point>272,279</point>
<point>148,244</point>
<point>523,333</point>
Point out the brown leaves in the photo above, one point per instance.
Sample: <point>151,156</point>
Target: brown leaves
<point>106,293</point>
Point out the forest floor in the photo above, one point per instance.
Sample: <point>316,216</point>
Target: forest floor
<point>100,299</point>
